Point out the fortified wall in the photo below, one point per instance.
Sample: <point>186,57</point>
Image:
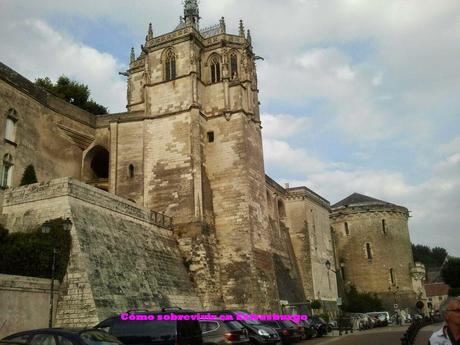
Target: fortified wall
<point>123,257</point>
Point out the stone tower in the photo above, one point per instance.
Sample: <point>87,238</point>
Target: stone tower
<point>374,249</point>
<point>190,146</point>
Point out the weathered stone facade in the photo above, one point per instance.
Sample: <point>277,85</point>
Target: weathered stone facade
<point>190,147</point>
<point>374,248</point>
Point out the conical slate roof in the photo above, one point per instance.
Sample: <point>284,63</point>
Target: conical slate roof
<point>357,198</point>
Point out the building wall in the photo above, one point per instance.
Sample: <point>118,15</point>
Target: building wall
<point>51,134</point>
<point>24,302</point>
<point>390,249</point>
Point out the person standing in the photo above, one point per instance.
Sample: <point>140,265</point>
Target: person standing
<point>449,334</point>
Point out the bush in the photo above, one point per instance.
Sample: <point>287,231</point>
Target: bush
<point>29,176</point>
<point>30,254</point>
<point>315,304</point>
<point>361,302</point>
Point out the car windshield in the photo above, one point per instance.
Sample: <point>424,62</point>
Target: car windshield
<point>234,325</point>
<point>96,337</point>
<point>248,321</point>
<point>157,331</point>
<point>287,323</point>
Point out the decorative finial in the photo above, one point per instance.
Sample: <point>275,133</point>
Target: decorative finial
<point>150,33</point>
<point>191,12</point>
<point>241,28</point>
<point>222,25</point>
<point>132,57</point>
<point>249,38</point>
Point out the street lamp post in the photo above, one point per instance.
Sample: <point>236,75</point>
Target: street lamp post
<point>67,225</point>
<point>394,290</point>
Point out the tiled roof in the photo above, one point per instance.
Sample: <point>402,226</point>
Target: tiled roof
<point>357,198</point>
<point>436,289</point>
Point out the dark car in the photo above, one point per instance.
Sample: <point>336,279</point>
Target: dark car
<point>154,332</point>
<point>61,336</point>
<point>308,331</point>
<point>287,330</point>
<point>319,325</point>
<point>218,332</point>
<point>259,334</point>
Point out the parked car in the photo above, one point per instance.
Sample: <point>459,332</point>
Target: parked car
<point>259,334</point>
<point>320,326</point>
<point>307,329</point>
<point>287,330</point>
<point>61,336</point>
<point>381,318</point>
<point>157,332</point>
<point>218,332</point>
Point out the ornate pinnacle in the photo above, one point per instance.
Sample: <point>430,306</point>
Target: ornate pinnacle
<point>150,33</point>
<point>191,12</point>
<point>132,57</point>
<point>249,38</point>
<point>241,28</point>
<point>222,25</point>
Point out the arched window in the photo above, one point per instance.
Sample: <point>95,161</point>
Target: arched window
<point>170,65</point>
<point>131,171</point>
<point>7,171</point>
<point>10,125</point>
<point>368,251</point>
<point>215,70</point>
<point>233,66</point>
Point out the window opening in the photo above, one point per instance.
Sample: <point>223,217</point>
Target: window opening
<point>233,66</point>
<point>384,229</point>
<point>392,277</point>
<point>131,171</point>
<point>347,230</point>
<point>170,65</point>
<point>368,251</point>
<point>210,137</point>
<point>7,171</point>
<point>215,70</point>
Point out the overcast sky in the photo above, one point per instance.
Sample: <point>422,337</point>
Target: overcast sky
<point>356,95</point>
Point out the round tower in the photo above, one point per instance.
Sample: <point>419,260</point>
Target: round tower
<point>374,248</point>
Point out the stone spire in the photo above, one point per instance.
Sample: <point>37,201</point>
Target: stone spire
<point>241,28</point>
<point>150,33</point>
<point>132,56</point>
<point>249,38</point>
<point>222,25</point>
<point>191,12</point>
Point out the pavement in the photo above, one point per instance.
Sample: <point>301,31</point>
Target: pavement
<point>390,335</point>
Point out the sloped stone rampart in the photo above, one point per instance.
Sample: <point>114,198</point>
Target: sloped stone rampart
<point>120,259</point>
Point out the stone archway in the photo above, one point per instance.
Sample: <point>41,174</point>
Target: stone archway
<point>96,167</point>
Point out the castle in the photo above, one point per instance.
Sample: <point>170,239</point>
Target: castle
<point>169,201</point>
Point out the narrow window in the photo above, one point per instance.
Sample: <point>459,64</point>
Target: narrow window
<point>384,227</point>
<point>170,66</point>
<point>392,277</point>
<point>7,171</point>
<point>233,66</point>
<point>210,137</point>
<point>215,70</point>
<point>10,126</point>
<point>342,270</point>
<point>347,231</point>
<point>131,171</point>
<point>368,251</point>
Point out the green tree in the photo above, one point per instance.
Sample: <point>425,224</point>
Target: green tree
<point>315,304</point>
<point>451,273</point>
<point>73,92</point>
<point>429,257</point>
<point>29,176</point>
<point>361,302</point>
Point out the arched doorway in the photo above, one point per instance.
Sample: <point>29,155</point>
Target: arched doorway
<point>96,167</point>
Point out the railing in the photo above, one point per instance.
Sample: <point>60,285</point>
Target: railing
<point>211,31</point>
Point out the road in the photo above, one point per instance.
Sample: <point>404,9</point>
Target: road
<point>378,336</point>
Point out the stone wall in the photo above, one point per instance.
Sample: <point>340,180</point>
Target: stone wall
<point>121,258</point>
<point>24,303</point>
<point>51,134</point>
